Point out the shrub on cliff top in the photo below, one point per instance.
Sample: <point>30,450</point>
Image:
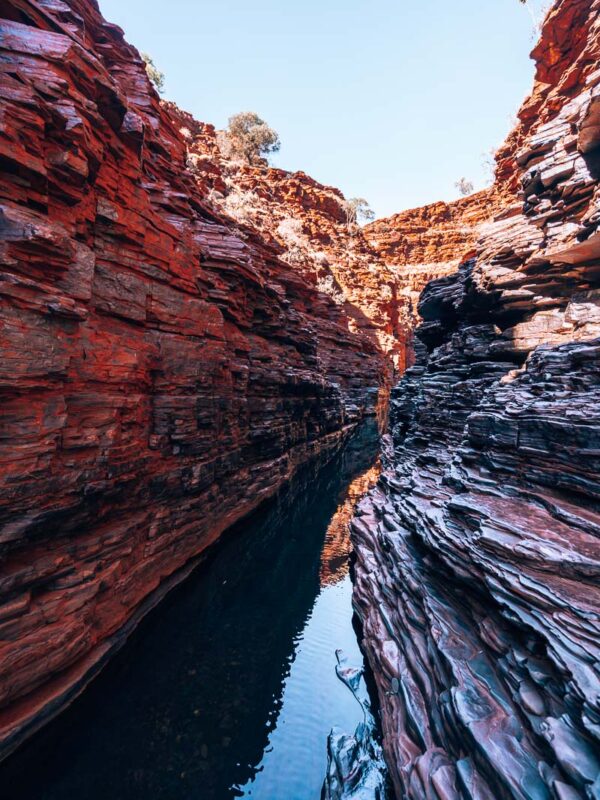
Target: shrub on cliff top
<point>250,139</point>
<point>156,76</point>
<point>464,186</point>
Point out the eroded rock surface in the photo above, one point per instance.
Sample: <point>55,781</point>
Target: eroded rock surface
<point>160,373</point>
<point>422,244</point>
<point>310,225</point>
<point>373,273</point>
<point>478,572</point>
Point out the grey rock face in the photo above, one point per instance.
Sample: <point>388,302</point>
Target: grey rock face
<point>355,766</point>
<point>478,574</point>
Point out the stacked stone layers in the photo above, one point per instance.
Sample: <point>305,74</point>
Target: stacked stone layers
<point>478,573</point>
<point>478,555</point>
<point>160,373</point>
<point>376,272</point>
<point>423,244</point>
<point>309,224</point>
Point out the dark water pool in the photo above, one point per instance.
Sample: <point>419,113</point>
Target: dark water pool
<point>228,689</point>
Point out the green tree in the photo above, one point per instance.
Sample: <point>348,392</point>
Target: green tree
<point>358,210</point>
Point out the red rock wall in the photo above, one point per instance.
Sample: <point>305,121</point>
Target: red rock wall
<point>423,244</point>
<point>161,372</point>
<point>375,272</point>
<point>426,243</point>
<point>320,244</point>
<point>363,280</point>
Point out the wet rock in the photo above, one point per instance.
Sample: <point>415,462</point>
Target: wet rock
<point>355,766</point>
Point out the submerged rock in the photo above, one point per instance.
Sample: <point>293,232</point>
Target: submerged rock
<point>356,770</point>
<point>355,766</point>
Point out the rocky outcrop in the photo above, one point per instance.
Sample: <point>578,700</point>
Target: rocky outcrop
<point>355,766</point>
<point>310,225</point>
<point>478,555</point>
<point>161,371</point>
<point>374,273</point>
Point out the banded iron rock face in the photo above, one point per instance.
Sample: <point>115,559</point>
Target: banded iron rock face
<point>478,554</point>
<point>423,244</point>
<point>161,371</point>
<point>374,273</point>
<point>309,224</point>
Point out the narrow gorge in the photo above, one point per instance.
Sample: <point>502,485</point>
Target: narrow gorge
<point>198,360</point>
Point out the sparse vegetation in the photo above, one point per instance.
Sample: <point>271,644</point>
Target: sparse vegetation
<point>156,76</point>
<point>301,252</point>
<point>291,233</point>
<point>464,186</point>
<point>329,286</point>
<point>242,206</point>
<point>250,139</point>
<point>488,162</point>
<point>358,210</point>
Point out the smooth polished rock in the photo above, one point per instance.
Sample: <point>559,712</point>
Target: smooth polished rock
<point>355,766</point>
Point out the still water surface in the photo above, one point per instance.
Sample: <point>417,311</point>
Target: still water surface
<point>229,688</point>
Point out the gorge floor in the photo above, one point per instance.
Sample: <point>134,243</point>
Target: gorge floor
<point>229,689</point>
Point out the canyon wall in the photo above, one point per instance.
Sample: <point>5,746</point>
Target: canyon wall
<point>374,273</point>
<point>478,554</point>
<point>310,225</point>
<point>422,244</point>
<point>162,371</point>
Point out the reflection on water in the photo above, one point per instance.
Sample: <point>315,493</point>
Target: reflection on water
<point>335,555</point>
<point>229,688</point>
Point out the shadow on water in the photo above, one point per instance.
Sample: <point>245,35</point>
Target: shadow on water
<point>228,688</point>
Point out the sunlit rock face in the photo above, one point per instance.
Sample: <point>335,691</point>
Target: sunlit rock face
<point>478,554</point>
<point>161,372</point>
<point>373,273</point>
<point>422,244</point>
<point>310,226</point>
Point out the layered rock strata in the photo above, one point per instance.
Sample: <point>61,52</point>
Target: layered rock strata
<point>478,555</point>
<point>160,373</point>
<point>312,227</point>
<point>374,273</point>
<point>423,244</point>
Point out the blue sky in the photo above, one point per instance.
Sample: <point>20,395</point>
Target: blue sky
<point>389,100</point>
